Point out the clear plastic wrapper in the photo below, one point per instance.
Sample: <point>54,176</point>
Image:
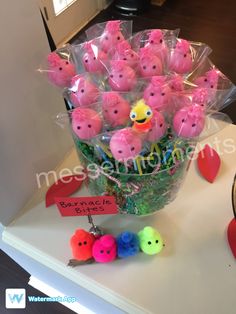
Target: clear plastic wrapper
<point>59,67</point>
<point>83,91</point>
<point>89,57</point>
<point>110,33</point>
<point>186,56</point>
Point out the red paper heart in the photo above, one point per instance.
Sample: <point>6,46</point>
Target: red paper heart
<point>231,233</point>
<point>208,162</point>
<point>63,187</point>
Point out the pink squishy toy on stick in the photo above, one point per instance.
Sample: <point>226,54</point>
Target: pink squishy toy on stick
<point>122,77</point>
<point>93,58</point>
<point>181,59</point>
<point>150,64</point>
<point>111,37</point>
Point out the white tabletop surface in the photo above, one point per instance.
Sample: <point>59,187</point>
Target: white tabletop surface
<point>194,274</point>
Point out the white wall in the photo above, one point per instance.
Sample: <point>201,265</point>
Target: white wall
<point>29,141</point>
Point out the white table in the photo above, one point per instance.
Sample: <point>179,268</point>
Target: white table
<point>195,273</point>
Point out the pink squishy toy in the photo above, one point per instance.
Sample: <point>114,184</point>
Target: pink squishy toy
<point>124,52</point>
<point>93,58</point>
<point>189,121</point>
<point>111,37</point>
<point>150,64</point>
<point>83,92</point>
<point>200,96</point>
<point>181,59</point>
<point>115,109</point>
<point>86,123</point>
<point>122,77</point>
<point>209,80</point>
<point>176,83</point>
<point>158,127</point>
<point>157,93</point>
<point>105,249</point>
<point>125,144</point>
<point>60,71</point>
<point>157,44</point>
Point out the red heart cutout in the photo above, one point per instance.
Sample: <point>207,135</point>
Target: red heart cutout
<point>63,187</point>
<point>208,162</point>
<point>231,233</point>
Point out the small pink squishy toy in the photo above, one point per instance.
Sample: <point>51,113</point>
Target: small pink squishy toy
<point>83,92</point>
<point>111,37</point>
<point>115,109</point>
<point>105,249</point>
<point>124,52</point>
<point>60,71</point>
<point>125,144</point>
<point>122,77</point>
<point>93,58</point>
<point>200,96</point>
<point>157,44</point>
<point>86,123</point>
<point>176,83</point>
<point>158,127</point>
<point>149,64</point>
<point>157,93</point>
<point>208,80</point>
<point>181,60</point>
<point>189,121</point>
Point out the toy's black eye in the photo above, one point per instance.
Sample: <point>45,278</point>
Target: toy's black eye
<point>152,94</point>
<point>202,105</point>
<point>183,120</point>
<point>193,125</point>
<point>80,243</point>
<point>67,62</point>
<point>101,251</point>
<point>82,90</point>
<point>115,111</point>
<point>149,112</point>
<point>86,61</point>
<point>144,67</point>
<point>89,126</point>
<point>120,151</point>
<point>106,38</point>
<point>161,125</point>
<point>131,245</point>
<point>111,76</point>
<point>108,252</point>
<point>120,75</point>
<point>154,67</point>
<point>125,59</point>
<point>205,80</point>
<point>162,94</point>
<point>118,38</point>
<point>60,69</point>
<point>161,41</point>
<point>149,242</point>
<point>85,242</point>
<point>132,148</point>
<point>151,42</point>
<point>78,127</point>
<point>185,55</point>
<point>132,55</point>
<point>150,130</point>
<point>157,241</point>
<point>212,86</point>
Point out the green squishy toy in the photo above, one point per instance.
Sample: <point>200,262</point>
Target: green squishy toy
<point>150,241</point>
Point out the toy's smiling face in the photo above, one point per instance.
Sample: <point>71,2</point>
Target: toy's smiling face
<point>150,241</point>
<point>81,243</point>
<point>83,92</point>
<point>189,121</point>
<point>86,123</point>
<point>104,249</point>
<point>125,144</point>
<point>141,113</point>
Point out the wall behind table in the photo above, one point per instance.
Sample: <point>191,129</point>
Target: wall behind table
<point>30,142</point>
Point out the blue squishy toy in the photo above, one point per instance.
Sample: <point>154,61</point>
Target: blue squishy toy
<point>127,244</point>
